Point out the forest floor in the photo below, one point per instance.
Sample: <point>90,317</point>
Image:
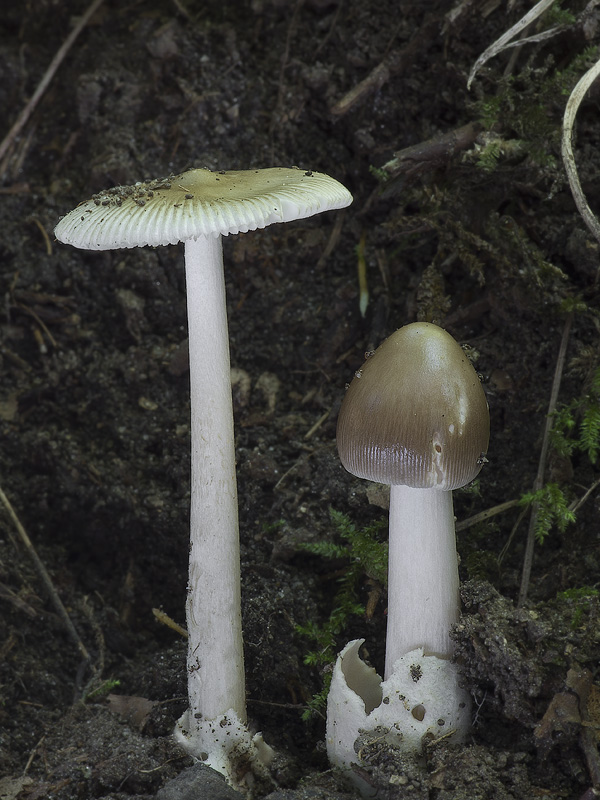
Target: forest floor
<point>476,231</point>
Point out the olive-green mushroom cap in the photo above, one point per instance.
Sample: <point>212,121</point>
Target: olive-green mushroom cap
<point>198,203</point>
<point>415,413</point>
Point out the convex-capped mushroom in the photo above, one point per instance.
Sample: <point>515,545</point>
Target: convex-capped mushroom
<point>415,417</point>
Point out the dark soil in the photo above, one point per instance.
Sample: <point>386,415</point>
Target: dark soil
<point>94,394</point>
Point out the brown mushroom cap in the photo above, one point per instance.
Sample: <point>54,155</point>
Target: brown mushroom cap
<point>415,414</point>
<point>198,203</point>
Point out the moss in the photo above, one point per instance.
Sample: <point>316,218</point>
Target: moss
<point>364,555</point>
<point>577,424</point>
<point>432,302</point>
<point>482,565</point>
<point>522,117</point>
<point>581,601</point>
<point>552,510</point>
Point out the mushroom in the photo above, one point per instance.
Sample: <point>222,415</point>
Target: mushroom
<point>198,207</point>
<point>415,417</point>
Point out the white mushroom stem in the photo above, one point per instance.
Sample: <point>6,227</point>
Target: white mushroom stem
<point>423,589</point>
<point>215,651</point>
<point>213,729</point>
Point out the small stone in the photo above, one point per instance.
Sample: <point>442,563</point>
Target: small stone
<point>198,783</point>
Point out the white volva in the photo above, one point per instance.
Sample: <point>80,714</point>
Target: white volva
<point>422,695</point>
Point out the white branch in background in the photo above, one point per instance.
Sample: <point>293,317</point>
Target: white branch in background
<point>505,41</point>
<point>571,109</point>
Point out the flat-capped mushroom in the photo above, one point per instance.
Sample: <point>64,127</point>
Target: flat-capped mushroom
<point>198,207</point>
<point>415,416</point>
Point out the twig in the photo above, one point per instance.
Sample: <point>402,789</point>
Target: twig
<point>576,504</point>
<point>329,33</point>
<point>271,704</point>
<point>44,83</point>
<point>433,154</point>
<point>518,29</point>
<point>334,237</point>
<point>32,755</point>
<point>310,433</point>
<point>539,479</point>
<point>511,536</point>
<point>6,593</point>
<point>574,507</point>
<point>39,321</point>
<point>571,108</point>
<point>299,461</point>
<point>483,515</point>
<point>504,41</point>
<point>369,85</point>
<point>45,236</point>
<point>165,619</point>
<point>363,284</point>
<point>183,10</point>
<point>276,115</point>
<point>393,64</point>
<point>47,581</point>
